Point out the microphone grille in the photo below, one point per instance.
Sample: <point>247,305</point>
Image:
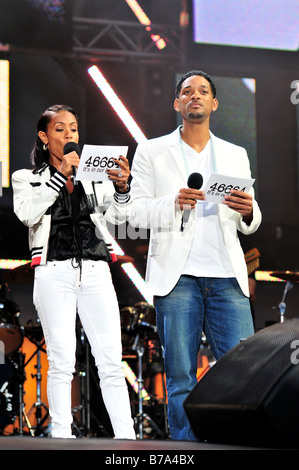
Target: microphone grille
<point>195,181</point>
<point>71,147</point>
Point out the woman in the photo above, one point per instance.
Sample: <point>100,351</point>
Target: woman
<point>70,250</point>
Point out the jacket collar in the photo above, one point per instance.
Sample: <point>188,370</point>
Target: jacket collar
<point>41,169</point>
<point>175,149</point>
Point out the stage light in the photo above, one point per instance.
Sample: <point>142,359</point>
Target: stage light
<point>160,43</point>
<point>138,281</point>
<point>4,121</point>
<point>12,263</point>
<point>133,381</point>
<point>142,17</point>
<point>138,135</point>
<point>265,276</point>
<point>116,248</point>
<point>116,104</point>
<point>132,272</point>
<point>139,13</point>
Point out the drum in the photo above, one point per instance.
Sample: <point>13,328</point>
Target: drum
<point>153,352</point>
<point>10,332</point>
<point>9,392</point>
<point>128,316</point>
<point>146,320</point>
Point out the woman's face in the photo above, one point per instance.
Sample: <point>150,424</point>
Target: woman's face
<point>62,128</point>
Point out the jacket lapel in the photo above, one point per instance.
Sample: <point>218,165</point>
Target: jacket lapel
<point>220,163</point>
<point>176,153</point>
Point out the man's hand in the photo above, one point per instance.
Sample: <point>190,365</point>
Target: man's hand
<point>188,197</point>
<point>240,202</point>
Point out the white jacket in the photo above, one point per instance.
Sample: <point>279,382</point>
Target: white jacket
<point>35,193</point>
<point>158,173</point>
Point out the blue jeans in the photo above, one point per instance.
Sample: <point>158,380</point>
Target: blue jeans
<point>216,306</point>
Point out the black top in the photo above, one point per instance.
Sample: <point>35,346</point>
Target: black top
<point>73,235</point>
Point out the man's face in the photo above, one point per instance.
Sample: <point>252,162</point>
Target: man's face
<point>196,101</point>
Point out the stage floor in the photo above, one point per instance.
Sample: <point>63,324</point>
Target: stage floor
<point>112,445</point>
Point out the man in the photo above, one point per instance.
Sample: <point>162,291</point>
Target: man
<point>197,274</point>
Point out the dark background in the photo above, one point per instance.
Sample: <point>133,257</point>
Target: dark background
<point>45,68</point>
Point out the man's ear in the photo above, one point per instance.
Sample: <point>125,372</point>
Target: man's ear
<point>176,105</point>
<point>215,104</point>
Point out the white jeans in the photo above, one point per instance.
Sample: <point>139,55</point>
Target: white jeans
<point>58,295</point>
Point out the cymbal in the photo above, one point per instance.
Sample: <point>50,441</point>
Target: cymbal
<point>286,275</point>
<point>20,275</point>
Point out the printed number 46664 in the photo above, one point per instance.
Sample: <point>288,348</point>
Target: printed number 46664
<point>223,188</point>
<point>103,162</point>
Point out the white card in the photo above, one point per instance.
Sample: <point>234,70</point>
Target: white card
<point>95,160</point>
<point>218,186</point>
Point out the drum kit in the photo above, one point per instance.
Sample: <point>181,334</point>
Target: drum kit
<point>13,367</point>
<point>141,343</point>
<point>11,338</point>
<point>142,360</point>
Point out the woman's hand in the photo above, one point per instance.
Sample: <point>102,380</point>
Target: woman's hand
<point>121,175</point>
<point>67,162</point>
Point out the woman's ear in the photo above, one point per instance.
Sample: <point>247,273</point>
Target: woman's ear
<point>43,137</point>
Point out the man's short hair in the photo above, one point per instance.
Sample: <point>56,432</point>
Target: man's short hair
<point>190,74</point>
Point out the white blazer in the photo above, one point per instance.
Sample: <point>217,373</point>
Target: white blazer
<point>158,172</point>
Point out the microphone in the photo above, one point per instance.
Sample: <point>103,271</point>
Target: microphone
<point>72,147</point>
<point>195,181</point>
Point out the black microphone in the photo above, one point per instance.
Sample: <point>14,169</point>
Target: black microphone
<point>195,181</point>
<point>72,147</point>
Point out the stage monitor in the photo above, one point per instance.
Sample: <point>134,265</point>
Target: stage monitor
<point>248,23</point>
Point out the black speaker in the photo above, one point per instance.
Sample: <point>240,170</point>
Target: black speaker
<point>251,395</point>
